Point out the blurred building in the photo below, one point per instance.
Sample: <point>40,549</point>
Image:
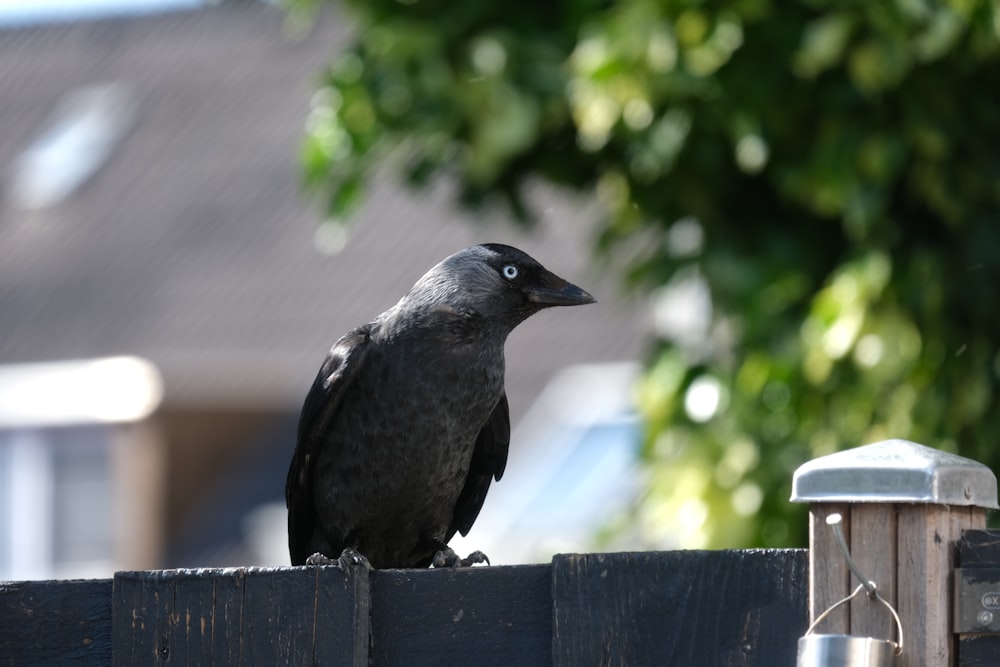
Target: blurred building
<point>150,209</point>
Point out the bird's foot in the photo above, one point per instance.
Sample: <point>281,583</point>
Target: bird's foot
<point>348,558</point>
<point>353,558</point>
<point>448,558</point>
<point>319,559</point>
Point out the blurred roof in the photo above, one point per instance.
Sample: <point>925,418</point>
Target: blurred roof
<point>189,243</point>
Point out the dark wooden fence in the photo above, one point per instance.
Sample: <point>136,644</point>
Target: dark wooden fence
<point>684,608</point>
<point>657,608</point>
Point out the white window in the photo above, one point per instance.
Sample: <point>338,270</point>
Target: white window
<point>79,490</point>
<point>56,502</point>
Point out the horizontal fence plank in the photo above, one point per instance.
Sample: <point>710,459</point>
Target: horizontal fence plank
<point>979,548</point>
<point>978,651</point>
<point>679,608</point>
<point>55,622</point>
<point>482,616</point>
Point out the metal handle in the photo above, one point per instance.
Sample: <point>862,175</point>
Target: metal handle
<point>866,585</point>
<point>876,596</point>
<point>834,522</point>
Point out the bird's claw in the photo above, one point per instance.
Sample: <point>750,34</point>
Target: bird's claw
<point>352,558</point>
<point>348,558</point>
<point>448,558</point>
<point>319,559</point>
<point>476,556</point>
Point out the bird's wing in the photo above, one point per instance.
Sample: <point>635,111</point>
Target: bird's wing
<point>488,462</point>
<point>322,402</point>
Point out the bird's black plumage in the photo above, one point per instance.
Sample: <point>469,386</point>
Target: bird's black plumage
<point>406,424</point>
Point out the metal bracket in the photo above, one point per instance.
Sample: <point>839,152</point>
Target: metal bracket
<point>977,600</point>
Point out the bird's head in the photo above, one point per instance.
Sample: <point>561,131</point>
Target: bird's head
<point>499,283</point>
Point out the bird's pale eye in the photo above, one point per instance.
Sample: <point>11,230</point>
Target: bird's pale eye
<point>510,272</point>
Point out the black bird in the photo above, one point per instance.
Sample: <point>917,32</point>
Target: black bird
<point>406,424</point>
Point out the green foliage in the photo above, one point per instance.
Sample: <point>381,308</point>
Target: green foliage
<point>827,169</point>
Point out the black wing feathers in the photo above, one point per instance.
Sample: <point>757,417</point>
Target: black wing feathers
<point>322,402</point>
<point>488,462</point>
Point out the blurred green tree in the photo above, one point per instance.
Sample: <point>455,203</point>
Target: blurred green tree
<point>826,172</point>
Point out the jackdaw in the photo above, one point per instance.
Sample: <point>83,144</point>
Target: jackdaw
<point>406,424</point>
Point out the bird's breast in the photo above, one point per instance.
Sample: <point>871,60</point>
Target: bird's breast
<point>402,442</point>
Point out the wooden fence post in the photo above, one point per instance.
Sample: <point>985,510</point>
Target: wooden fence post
<point>904,507</point>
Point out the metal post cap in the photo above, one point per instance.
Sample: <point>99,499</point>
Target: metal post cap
<point>895,471</point>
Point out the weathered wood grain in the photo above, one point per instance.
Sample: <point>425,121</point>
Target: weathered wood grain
<point>715,608</point>
<point>830,579</point>
<point>241,616</point>
<point>55,622</point>
<point>927,538</point>
<point>481,616</point>
<point>873,544</point>
<point>979,548</point>
<point>979,651</point>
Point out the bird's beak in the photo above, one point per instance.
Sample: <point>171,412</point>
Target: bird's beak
<point>552,290</point>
